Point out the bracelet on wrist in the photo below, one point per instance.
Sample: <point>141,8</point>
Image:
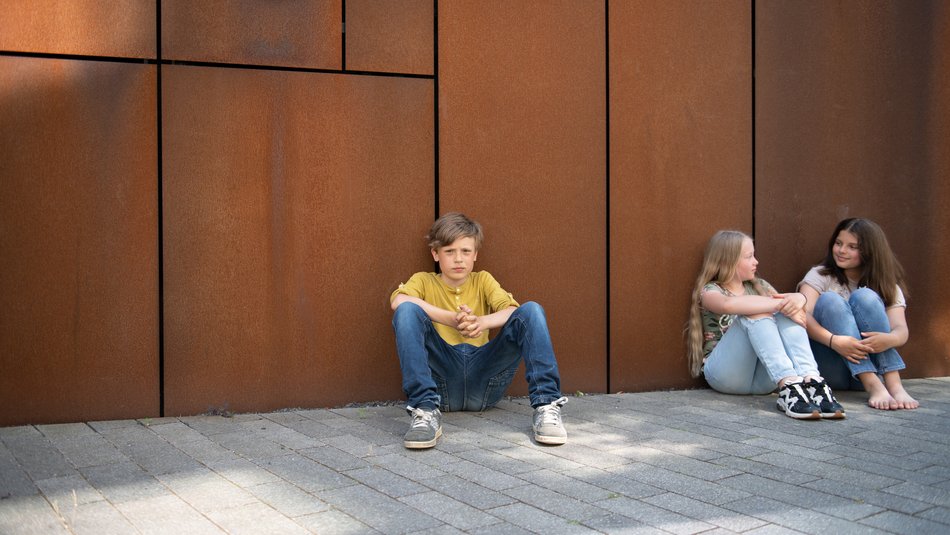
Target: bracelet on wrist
<point>831,341</point>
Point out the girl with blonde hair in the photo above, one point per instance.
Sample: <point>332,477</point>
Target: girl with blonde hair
<point>744,337</point>
<point>856,302</point>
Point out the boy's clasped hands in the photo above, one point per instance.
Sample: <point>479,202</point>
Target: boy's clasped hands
<point>467,322</point>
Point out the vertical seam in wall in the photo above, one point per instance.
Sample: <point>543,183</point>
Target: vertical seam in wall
<point>161,230</point>
<point>343,37</point>
<point>752,60</point>
<point>435,104</point>
<point>607,177</point>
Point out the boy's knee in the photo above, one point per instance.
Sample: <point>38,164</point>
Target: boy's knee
<point>407,312</point>
<point>530,310</point>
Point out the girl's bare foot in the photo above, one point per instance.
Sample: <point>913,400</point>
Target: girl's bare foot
<point>903,399</point>
<point>878,395</point>
<point>883,401</point>
<point>892,381</point>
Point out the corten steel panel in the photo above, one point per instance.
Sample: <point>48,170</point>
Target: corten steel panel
<point>123,28</point>
<point>851,107</point>
<point>389,36</point>
<point>522,148</point>
<point>78,241</point>
<point>680,169</point>
<point>293,205</point>
<point>304,33</point>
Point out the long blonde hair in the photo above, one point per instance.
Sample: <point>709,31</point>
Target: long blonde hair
<point>719,265</point>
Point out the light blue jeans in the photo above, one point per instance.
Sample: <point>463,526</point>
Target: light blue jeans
<point>755,354</point>
<point>863,312</point>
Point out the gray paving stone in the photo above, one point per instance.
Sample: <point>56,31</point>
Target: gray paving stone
<point>765,470</point>
<point>281,435</point>
<point>334,458</point>
<point>455,513</point>
<point>242,473</point>
<point>405,464</point>
<point>207,452</point>
<point>859,494</point>
<point>305,473</point>
<point>175,432</point>
<point>704,512</point>
<point>38,457</point>
<point>19,431</point>
<point>924,493</point>
<point>333,521</point>
<point>900,523</point>
<point>676,463</point>
<point>29,515</point>
<point>167,515</point>
<point>555,503</point>
<point>699,489</point>
<point>485,477</point>
<point>289,500</point>
<point>64,431</point>
<point>207,491</point>
<point>89,450</point>
<point>568,486</point>
<point>377,510</point>
<point>384,481</point>
<point>69,489</point>
<point>95,518</point>
<point>936,514</point>
<point>356,446</point>
<point>467,492</point>
<point>797,518</point>
<point>255,519</point>
<point>537,521</point>
<point>253,447</point>
<point>655,516</point>
<point>497,461</point>
<point>803,497</point>
<point>13,480</point>
<point>791,462</point>
<point>123,482</point>
<point>107,425</point>
<point>620,524</point>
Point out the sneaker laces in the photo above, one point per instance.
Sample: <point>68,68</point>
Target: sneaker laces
<point>421,418</point>
<point>550,414</point>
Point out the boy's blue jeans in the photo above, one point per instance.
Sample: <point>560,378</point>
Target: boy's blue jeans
<point>469,378</point>
<point>863,312</point>
<point>755,354</point>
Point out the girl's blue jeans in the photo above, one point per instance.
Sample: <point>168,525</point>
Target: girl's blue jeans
<point>863,312</point>
<point>755,354</point>
<point>469,378</point>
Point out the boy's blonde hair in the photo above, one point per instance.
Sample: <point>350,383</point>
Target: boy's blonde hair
<point>452,226</point>
<point>719,265</point>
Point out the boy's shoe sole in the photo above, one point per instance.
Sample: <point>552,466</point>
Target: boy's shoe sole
<point>837,415</point>
<point>421,445</point>
<point>813,415</point>
<point>557,441</point>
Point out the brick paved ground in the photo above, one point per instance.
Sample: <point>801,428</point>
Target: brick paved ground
<point>661,462</point>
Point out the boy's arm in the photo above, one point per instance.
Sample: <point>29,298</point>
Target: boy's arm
<point>436,314</point>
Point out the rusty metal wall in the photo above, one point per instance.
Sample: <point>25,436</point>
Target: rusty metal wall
<point>522,148</point>
<point>290,204</point>
<point>390,36</point>
<point>680,169</point>
<point>851,108</point>
<point>123,28</point>
<point>303,33</point>
<point>78,241</point>
<point>600,144</point>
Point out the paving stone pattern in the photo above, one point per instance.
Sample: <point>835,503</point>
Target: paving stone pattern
<point>678,462</point>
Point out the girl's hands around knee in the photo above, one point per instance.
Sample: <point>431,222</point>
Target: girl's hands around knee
<point>850,348</point>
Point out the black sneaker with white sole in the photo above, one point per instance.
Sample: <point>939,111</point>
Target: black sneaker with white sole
<point>795,402</point>
<point>822,396</point>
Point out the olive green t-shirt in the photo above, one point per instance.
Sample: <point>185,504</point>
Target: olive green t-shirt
<point>481,292</point>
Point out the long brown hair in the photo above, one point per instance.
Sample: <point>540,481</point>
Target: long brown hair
<point>880,270</point>
<point>719,265</point>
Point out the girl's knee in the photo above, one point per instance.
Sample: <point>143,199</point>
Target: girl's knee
<point>865,298</point>
<point>832,303</point>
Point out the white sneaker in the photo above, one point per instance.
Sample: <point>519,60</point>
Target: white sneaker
<point>548,428</point>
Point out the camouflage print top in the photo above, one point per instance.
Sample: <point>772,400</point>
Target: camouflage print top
<point>716,325</point>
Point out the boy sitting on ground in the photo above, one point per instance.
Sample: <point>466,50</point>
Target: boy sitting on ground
<point>441,322</point>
